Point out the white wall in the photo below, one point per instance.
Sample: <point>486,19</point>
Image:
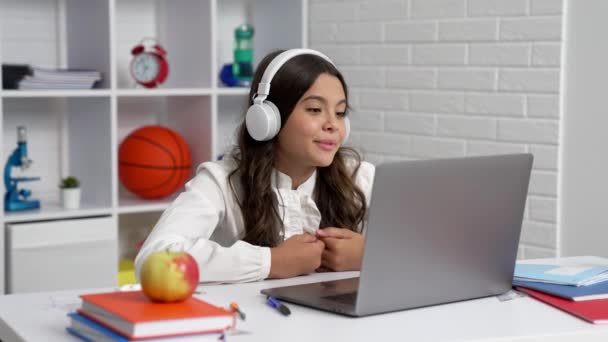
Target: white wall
<point>584,162</point>
<point>448,78</point>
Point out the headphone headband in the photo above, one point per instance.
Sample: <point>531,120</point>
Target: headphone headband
<point>277,63</point>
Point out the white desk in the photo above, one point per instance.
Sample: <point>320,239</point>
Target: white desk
<point>42,317</point>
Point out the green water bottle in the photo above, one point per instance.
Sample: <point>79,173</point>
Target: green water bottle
<point>242,68</point>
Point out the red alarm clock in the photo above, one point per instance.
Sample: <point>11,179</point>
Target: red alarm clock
<point>149,66</point>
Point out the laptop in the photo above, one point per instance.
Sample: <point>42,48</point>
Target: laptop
<point>438,231</point>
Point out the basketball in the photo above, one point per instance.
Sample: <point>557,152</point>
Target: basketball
<point>154,162</point>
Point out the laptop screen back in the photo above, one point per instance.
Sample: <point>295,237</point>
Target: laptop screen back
<point>442,230</point>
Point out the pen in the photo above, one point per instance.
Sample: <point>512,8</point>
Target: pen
<point>273,302</point>
<point>235,307</point>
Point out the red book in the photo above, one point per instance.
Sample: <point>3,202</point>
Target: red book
<point>134,316</point>
<point>594,311</point>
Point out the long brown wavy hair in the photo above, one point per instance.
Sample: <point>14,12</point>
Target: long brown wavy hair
<point>338,198</point>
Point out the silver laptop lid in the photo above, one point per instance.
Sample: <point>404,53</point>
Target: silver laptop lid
<point>442,230</point>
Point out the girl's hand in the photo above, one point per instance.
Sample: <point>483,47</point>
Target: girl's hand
<point>343,249</point>
<point>300,254</point>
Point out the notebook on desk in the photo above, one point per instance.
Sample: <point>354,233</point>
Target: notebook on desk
<point>438,231</point>
<point>593,311</point>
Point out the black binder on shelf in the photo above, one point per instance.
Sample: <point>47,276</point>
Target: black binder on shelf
<point>12,74</point>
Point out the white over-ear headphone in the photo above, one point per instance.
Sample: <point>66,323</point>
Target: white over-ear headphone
<point>263,120</point>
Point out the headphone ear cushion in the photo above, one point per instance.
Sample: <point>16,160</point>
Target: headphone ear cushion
<point>346,129</point>
<point>263,121</point>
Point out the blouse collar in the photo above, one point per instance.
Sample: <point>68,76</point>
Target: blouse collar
<point>283,181</point>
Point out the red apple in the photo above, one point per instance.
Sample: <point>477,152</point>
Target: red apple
<point>169,276</point>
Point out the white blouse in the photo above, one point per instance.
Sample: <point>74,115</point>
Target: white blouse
<point>205,220</point>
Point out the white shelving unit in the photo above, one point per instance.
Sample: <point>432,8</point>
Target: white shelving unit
<point>78,132</point>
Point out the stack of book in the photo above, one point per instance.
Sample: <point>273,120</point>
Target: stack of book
<point>59,79</point>
<point>577,285</point>
<point>130,315</point>
<point>23,76</point>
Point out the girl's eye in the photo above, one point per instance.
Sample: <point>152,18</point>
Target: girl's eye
<point>314,110</point>
<point>341,114</point>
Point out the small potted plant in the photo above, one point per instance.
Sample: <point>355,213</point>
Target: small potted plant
<point>70,192</point>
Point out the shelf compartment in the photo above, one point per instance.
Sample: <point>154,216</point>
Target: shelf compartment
<point>49,34</point>
<point>271,32</point>
<point>133,229</point>
<point>65,136</point>
<point>88,37</point>
<point>189,116</point>
<point>182,28</point>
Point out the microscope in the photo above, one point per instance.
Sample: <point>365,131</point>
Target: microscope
<point>16,199</point>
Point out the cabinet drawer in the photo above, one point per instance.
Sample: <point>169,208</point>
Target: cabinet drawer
<point>63,254</point>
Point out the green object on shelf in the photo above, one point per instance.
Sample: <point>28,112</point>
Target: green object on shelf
<point>70,182</point>
<point>242,68</point>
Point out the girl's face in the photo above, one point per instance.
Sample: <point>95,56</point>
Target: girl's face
<point>315,129</point>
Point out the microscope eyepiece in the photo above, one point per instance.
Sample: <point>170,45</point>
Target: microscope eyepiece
<point>21,134</point>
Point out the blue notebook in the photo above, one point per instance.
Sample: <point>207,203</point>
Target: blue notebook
<point>575,293</point>
<point>578,271</point>
<point>91,331</point>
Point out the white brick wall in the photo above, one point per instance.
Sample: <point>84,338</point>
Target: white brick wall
<point>495,103</point>
<point>467,79</point>
<point>497,8</point>
<point>445,78</point>
<point>410,31</point>
<point>499,54</point>
<point>411,78</point>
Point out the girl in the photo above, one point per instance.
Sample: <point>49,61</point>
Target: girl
<point>257,214</point>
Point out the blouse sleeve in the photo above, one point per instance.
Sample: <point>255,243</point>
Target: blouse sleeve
<point>188,224</point>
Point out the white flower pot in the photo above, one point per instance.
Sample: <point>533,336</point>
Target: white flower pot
<point>70,198</point>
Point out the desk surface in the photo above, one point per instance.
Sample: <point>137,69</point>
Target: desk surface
<point>42,317</point>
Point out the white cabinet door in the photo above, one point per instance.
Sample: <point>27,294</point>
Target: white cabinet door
<point>61,254</point>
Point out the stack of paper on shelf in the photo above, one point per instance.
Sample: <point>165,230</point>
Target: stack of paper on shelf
<point>577,285</point>
<point>130,315</point>
<point>59,79</point>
